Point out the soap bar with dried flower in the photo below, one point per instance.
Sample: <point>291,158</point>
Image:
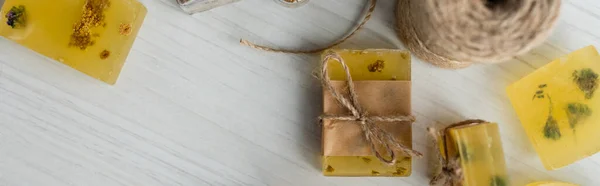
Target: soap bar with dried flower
<point>345,151</point>
<point>559,107</point>
<point>92,36</point>
<point>479,151</point>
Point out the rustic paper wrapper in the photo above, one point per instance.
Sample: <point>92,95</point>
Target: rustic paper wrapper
<point>378,98</point>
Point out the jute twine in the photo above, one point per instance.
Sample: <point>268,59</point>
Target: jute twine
<point>450,173</point>
<point>455,33</point>
<point>365,19</point>
<point>374,135</point>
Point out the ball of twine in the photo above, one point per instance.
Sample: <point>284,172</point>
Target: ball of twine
<point>456,33</point>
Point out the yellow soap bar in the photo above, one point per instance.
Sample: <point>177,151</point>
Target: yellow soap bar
<point>92,36</point>
<point>376,64</point>
<point>551,183</point>
<point>479,149</point>
<point>560,109</point>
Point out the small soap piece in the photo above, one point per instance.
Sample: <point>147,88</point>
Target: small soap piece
<point>92,36</point>
<point>551,183</point>
<point>345,150</point>
<point>479,149</point>
<point>559,107</point>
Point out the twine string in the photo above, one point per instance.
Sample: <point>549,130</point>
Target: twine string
<point>374,135</point>
<point>365,19</point>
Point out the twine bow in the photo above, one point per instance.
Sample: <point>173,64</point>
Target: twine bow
<point>374,135</point>
<point>450,173</point>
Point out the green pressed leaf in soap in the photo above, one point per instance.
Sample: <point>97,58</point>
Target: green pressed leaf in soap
<point>551,130</point>
<point>577,112</point>
<point>498,181</point>
<point>587,81</point>
<point>466,153</point>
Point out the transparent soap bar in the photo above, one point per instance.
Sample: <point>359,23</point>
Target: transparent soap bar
<point>479,149</point>
<point>559,107</point>
<point>365,65</point>
<point>92,36</point>
<point>196,6</point>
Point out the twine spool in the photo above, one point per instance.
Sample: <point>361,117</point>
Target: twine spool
<point>456,33</point>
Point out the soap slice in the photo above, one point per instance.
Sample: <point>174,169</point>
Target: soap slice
<point>364,65</point>
<point>92,36</point>
<point>559,107</point>
<point>479,149</point>
<point>551,183</point>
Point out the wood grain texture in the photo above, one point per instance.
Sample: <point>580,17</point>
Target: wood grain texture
<point>193,107</point>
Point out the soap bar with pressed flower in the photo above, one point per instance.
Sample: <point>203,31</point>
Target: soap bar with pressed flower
<point>92,36</point>
<point>479,149</point>
<point>559,107</point>
<point>367,65</point>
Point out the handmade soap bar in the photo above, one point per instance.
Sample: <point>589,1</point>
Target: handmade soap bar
<point>92,36</point>
<point>479,150</point>
<point>559,108</point>
<point>550,183</point>
<point>365,65</point>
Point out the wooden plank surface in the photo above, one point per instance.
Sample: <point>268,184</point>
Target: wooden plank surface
<point>193,107</point>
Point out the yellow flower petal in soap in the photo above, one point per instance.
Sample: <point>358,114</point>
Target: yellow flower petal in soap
<point>92,36</point>
<point>479,149</point>
<point>559,107</point>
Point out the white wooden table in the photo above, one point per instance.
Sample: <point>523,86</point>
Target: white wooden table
<point>193,107</point>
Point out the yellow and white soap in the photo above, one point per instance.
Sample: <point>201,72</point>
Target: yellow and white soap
<point>92,36</point>
<point>479,149</point>
<point>559,107</point>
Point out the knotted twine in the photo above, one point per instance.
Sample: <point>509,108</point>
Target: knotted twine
<point>374,135</point>
<point>450,173</point>
<point>364,21</point>
<point>456,33</point>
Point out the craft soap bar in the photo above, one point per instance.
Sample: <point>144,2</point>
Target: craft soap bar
<point>559,107</point>
<point>550,183</point>
<point>369,65</point>
<point>376,64</point>
<point>480,151</point>
<point>92,36</point>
